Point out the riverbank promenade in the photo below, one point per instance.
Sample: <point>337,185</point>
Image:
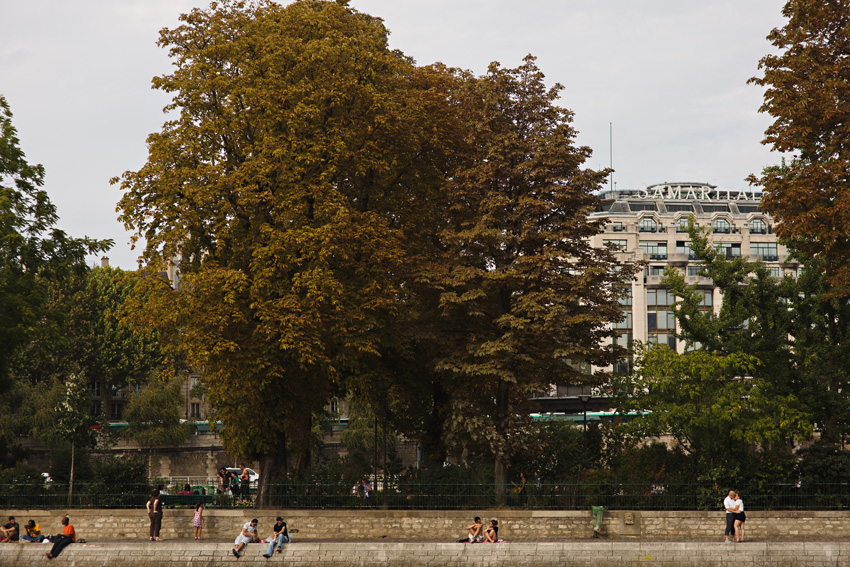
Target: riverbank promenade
<point>428,538</point>
<point>596,553</point>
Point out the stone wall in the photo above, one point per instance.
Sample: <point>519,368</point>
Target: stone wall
<point>447,526</point>
<point>416,554</point>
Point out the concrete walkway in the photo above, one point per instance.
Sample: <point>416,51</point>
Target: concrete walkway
<point>596,553</point>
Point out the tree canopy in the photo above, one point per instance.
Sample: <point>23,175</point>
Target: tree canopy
<point>32,250</point>
<point>283,189</point>
<point>341,219</point>
<point>808,96</point>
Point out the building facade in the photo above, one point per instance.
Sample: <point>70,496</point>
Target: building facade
<point>650,225</point>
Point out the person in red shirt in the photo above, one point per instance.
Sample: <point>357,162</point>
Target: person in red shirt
<point>68,537</point>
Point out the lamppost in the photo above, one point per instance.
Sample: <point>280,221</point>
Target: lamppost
<point>584,399</point>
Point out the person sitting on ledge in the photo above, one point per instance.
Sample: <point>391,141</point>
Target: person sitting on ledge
<point>280,537</point>
<point>491,535</point>
<point>68,537</point>
<point>11,531</point>
<point>246,536</point>
<point>475,530</point>
<point>33,534</point>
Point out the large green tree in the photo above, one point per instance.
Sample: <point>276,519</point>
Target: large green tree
<point>758,373</point>
<point>808,95</point>
<point>524,301</point>
<point>33,255</point>
<point>301,151</point>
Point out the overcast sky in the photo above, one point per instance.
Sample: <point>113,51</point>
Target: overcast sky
<point>669,74</point>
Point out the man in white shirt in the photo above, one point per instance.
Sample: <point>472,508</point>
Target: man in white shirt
<point>247,535</point>
<point>731,511</point>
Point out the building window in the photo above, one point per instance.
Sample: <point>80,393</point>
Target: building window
<point>684,247</point>
<point>334,406</point>
<point>624,365</point>
<point>617,245</point>
<point>617,227</point>
<point>634,207</point>
<point>196,409</point>
<point>655,250</point>
<point>764,250</point>
<point>774,271</point>
<point>623,333</point>
<point>728,250</point>
<point>682,225</point>
<point>660,321</point>
<point>626,323</point>
<point>95,409</point>
<point>654,270</point>
<point>757,226</point>
<point>720,226</point>
<point>116,411</point>
<point>648,225</point>
<point>694,270</point>
<point>674,208</point>
<point>95,389</point>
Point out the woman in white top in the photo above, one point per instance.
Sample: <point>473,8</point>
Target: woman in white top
<point>740,518</point>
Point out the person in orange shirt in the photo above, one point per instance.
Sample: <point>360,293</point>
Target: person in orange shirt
<point>68,536</point>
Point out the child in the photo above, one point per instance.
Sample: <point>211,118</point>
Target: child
<point>198,519</point>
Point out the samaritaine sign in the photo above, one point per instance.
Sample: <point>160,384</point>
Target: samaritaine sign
<point>697,191</point>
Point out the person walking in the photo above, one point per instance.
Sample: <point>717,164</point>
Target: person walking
<point>731,511</point>
<point>740,518</point>
<point>198,519</point>
<point>154,507</point>
<point>69,536</point>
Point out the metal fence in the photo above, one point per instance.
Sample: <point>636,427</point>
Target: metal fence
<point>429,496</point>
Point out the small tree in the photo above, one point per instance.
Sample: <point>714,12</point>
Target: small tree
<point>73,420</point>
<point>153,416</point>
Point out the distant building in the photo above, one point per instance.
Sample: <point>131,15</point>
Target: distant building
<point>650,225</point>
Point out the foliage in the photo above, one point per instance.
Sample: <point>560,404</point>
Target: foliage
<point>798,329</point>
<point>360,440</point>
<point>823,462</point>
<point>556,451</point>
<point>33,252</point>
<point>524,300</point>
<point>153,414</point>
<point>767,365</point>
<point>713,404</point>
<point>282,189</point>
<point>808,96</point>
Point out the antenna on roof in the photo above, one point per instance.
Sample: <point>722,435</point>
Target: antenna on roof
<point>611,152</point>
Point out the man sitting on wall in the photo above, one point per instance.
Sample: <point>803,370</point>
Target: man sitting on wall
<point>475,530</point>
<point>11,531</point>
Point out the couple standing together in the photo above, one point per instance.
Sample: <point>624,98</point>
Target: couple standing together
<point>735,517</point>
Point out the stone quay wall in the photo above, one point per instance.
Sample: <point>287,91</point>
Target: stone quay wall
<point>446,525</point>
<point>429,554</point>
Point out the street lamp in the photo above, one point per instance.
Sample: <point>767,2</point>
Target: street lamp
<point>584,399</point>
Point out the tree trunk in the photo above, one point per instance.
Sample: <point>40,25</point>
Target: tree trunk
<point>500,467</point>
<point>433,439</point>
<point>273,468</point>
<point>71,478</point>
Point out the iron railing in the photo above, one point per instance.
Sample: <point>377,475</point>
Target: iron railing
<point>403,494</point>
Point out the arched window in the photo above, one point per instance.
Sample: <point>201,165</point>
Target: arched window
<point>721,226</point>
<point>757,226</point>
<point>648,225</point>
